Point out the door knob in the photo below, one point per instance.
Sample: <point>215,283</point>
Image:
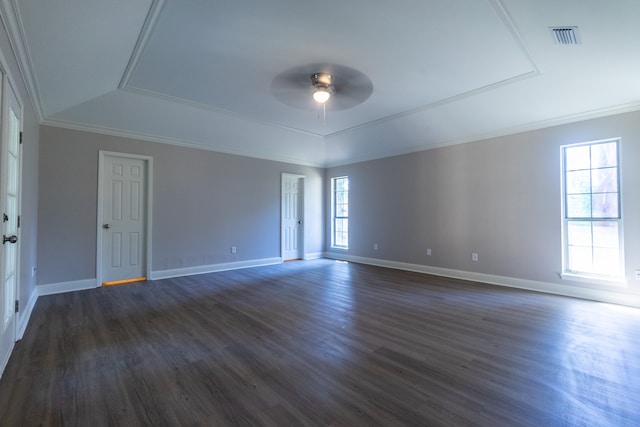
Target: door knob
<point>300,222</point>
<point>105,226</point>
<point>10,239</point>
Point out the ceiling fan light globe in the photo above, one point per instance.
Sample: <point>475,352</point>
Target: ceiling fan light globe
<point>321,95</point>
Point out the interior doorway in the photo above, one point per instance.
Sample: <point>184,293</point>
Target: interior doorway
<point>292,217</point>
<point>124,212</point>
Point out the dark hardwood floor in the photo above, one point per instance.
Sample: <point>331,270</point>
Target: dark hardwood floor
<point>322,343</point>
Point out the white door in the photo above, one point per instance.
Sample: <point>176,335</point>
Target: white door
<point>123,221</point>
<point>292,217</point>
<point>10,206</point>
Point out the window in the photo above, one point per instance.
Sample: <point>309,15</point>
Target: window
<point>592,215</point>
<point>340,212</point>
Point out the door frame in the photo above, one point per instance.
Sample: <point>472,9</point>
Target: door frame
<point>7,91</point>
<point>301,242</point>
<point>148,161</point>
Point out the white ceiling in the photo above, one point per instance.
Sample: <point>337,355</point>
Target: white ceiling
<point>201,72</point>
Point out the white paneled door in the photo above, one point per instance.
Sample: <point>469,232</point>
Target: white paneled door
<point>10,206</point>
<point>123,227</point>
<point>292,217</point>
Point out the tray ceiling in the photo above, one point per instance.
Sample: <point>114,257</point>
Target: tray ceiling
<point>201,73</point>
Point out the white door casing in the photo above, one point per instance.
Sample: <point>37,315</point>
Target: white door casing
<point>123,217</point>
<point>292,217</point>
<point>10,194</point>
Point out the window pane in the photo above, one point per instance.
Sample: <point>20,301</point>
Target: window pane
<point>605,205</point>
<point>605,234</point>
<point>606,261</point>
<point>579,206</point>
<point>593,218</point>
<point>604,180</point>
<point>577,157</point>
<point>341,230</point>
<point>579,233</point>
<point>603,155</point>
<point>342,184</point>
<point>340,212</point>
<point>580,259</point>
<point>578,182</point>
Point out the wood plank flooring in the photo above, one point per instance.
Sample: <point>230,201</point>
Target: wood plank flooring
<point>322,343</point>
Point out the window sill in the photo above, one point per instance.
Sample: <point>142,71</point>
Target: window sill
<point>339,248</point>
<point>619,282</point>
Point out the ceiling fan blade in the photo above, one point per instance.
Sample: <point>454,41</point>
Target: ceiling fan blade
<point>293,86</point>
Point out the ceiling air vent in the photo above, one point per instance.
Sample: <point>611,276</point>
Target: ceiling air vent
<point>566,35</point>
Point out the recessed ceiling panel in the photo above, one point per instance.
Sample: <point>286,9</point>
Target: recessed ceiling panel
<point>225,55</point>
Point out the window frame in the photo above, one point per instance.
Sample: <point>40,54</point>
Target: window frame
<point>335,217</point>
<point>592,276</point>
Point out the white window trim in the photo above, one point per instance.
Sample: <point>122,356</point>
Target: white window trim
<point>333,213</point>
<point>592,279</point>
<point>583,277</point>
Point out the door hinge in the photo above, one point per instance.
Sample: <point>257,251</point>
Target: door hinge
<point>18,221</point>
<point>17,306</point>
<point>5,218</point>
<point>20,137</point>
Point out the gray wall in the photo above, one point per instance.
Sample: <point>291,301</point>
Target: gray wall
<point>28,219</point>
<point>498,197</point>
<point>203,203</point>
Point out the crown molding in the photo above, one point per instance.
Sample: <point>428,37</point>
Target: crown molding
<point>512,130</point>
<point>13,23</point>
<point>64,124</point>
<point>527,127</point>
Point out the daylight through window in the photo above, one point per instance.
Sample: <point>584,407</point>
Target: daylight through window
<point>592,214</point>
<point>340,212</point>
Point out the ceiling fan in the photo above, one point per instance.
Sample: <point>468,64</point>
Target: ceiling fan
<point>336,87</point>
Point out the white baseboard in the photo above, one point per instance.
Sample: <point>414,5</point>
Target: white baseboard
<point>3,363</point>
<point>80,285</point>
<point>617,296</point>
<point>22,320</point>
<point>59,288</point>
<point>314,255</point>
<point>203,269</point>
<point>25,314</point>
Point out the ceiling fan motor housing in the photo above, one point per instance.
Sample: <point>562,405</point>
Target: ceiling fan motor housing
<point>322,80</point>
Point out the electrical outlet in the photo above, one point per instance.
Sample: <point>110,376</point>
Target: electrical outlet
<point>428,251</point>
<point>375,246</point>
<point>474,257</point>
<point>233,249</point>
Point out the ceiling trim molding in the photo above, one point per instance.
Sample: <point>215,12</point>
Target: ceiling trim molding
<point>502,13</point>
<point>532,126</point>
<point>473,92</point>
<point>439,103</point>
<point>13,23</point>
<point>218,110</point>
<point>509,24</point>
<point>64,124</point>
<point>496,5</point>
<point>143,38</point>
<point>528,127</point>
